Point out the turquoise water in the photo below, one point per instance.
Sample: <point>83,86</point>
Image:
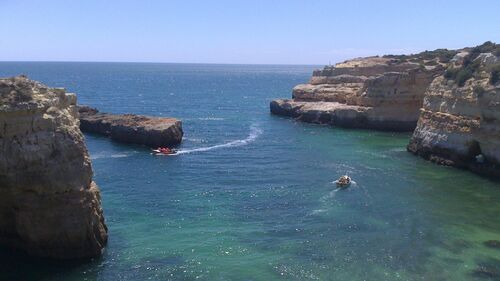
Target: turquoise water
<point>251,196</point>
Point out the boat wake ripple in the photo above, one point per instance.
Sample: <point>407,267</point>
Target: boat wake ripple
<point>255,132</point>
<point>105,155</point>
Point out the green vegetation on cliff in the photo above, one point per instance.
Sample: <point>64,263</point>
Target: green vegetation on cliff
<point>495,74</point>
<point>469,67</point>
<point>426,57</point>
<point>472,66</point>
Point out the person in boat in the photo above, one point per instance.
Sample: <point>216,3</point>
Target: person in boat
<point>164,150</point>
<point>344,180</point>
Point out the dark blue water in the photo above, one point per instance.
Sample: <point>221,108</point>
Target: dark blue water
<point>251,198</point>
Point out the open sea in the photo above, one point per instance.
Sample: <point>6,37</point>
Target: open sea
<point>250,196</point>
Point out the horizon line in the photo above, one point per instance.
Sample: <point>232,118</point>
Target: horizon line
<point>152,62</point>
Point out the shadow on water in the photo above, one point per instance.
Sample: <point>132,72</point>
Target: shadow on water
<point>15,265</point>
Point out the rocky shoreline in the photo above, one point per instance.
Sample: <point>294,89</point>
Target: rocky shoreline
<point>49,204</point>
<point>340,115</point>
<point>459,123</point>
<point>449,98</point>
<point>131,128</point>
<point>371,93</point>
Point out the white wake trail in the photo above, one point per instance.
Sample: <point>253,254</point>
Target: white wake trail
<point>105,155</point>
<point>254,134</point>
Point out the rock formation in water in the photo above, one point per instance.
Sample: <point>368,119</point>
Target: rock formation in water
<point>131,128</point>
<point>459,123</point>
<point>49,205</point>
<point>382,93</point>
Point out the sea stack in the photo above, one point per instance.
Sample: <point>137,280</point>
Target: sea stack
<point>49,205</point>
<point>459,123</point>
<point>383,93</point>
<point>131,128</point>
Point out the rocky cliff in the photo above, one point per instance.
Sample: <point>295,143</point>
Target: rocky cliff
<point>131,128</point>
<point>49,205</point>
<point>376,92</point>
<point>459,124</point>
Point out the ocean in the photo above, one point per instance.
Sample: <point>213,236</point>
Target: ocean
<point>250,196</point>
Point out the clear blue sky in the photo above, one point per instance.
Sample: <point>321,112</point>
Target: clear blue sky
<point>237,31</point>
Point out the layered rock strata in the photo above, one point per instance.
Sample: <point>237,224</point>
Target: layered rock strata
<point>375,92</point>
<point>459,123</point>
<point>49,205</point>
<point>131,128</point>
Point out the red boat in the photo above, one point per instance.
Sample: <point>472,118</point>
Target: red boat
<point>164,150</point>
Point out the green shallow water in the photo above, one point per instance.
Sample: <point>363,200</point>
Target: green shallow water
<point>252,198</point>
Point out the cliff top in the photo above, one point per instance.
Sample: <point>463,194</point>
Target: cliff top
<point>428,58</point>
<point>364,62</point>
<point>462,64</point>
<point>22,93</point>
<point>377,65</point>
<point>425,58</point>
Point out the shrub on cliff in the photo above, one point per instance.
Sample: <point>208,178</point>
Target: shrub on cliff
<point>486,47</point>
<point>462,76</point>
<point>495,74</point>
<point>479,90</point>
<point>443,55</point>
<point>451,73</point>
<point>471,66</point>
<point>431,63</point>
<point>458,74</point>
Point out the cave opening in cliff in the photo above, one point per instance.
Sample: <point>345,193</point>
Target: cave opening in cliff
<point>474,150</point>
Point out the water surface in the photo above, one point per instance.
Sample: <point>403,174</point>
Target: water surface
<point>251,198</point>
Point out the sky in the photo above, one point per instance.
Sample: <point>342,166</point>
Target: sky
<point>237,31</point>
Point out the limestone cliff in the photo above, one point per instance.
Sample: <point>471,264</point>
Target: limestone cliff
<point>376,92</point>
<point>131,128</point>
<point>459,123</point>
<point>49,205</point>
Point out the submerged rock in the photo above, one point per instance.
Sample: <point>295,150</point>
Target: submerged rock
<point>459,123</point>
<point>487,270</point>
<point>131,128</point>
<point>492,244</point>
<point>374,93</point>
<point>49,205</point>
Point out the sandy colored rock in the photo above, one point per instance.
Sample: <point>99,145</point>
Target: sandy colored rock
<point>460,125</point>
<point>49,205</point>
<point>339,114</point>
<point>374,93</point>
<point>131,128</point>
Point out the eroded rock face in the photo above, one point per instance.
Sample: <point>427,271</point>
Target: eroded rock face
<point>339,114</point>
<point>49,205</point>
<point>459,125</point>
<point>375,92</point>
<point>131,128</point>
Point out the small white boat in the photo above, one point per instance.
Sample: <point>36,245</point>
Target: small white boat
<point>344,181</point>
